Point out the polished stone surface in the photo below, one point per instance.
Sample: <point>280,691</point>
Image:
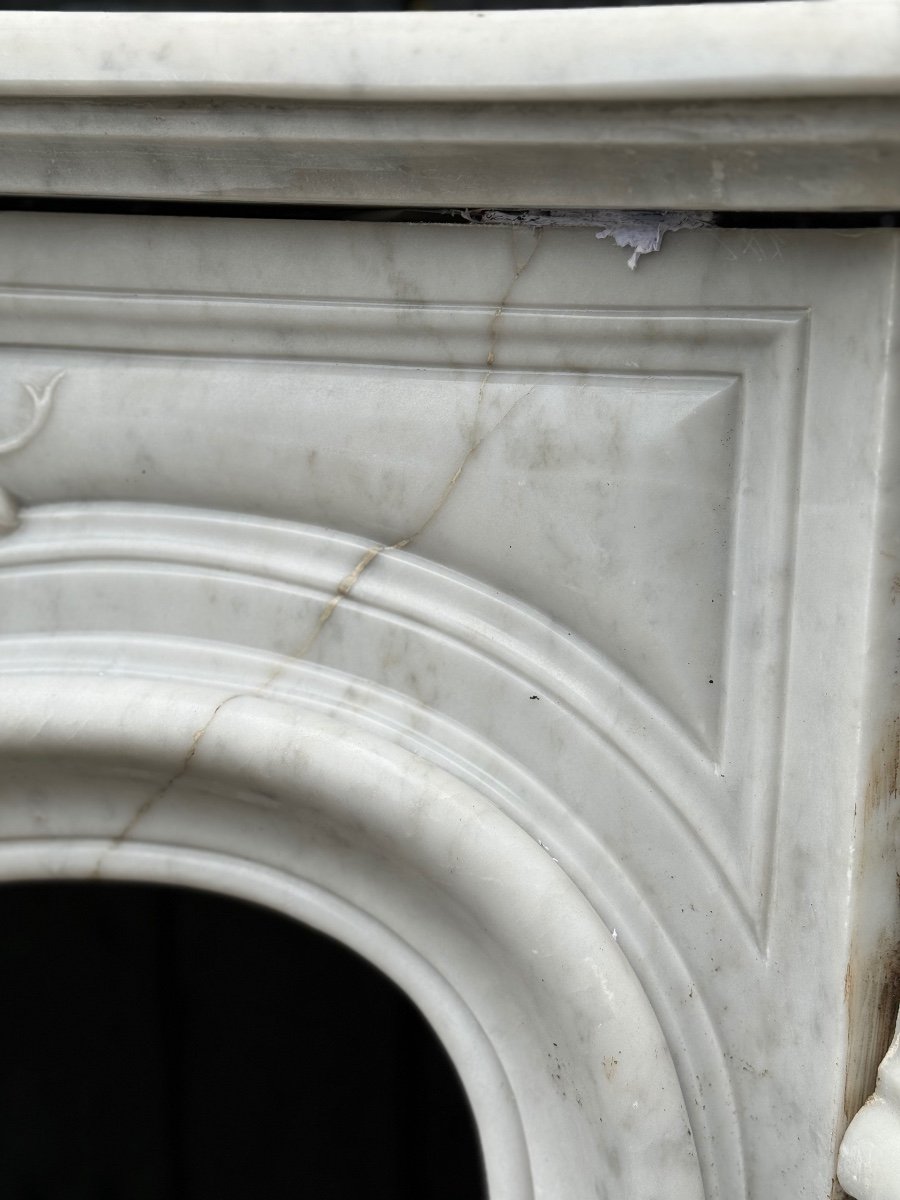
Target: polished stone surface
<point>518,618</point>
<point>524,621</point>
<point>754,106</point>
<point>869,1162</point>
<point>720,51</point>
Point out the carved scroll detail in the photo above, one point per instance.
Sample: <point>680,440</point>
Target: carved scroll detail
<point>869,1162</point>
<point>41,400</point>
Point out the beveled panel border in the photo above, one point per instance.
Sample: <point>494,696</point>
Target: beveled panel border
<point>765,349</point>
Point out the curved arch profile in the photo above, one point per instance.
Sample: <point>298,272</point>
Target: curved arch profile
<point>569,1076</point>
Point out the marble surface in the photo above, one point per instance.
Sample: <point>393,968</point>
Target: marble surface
<point>793,48</point>
<point>679,107</point>
<point>869,1162</point>
<point>522,619</point>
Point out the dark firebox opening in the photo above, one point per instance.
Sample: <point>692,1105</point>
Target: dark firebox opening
<point>164,1044</point>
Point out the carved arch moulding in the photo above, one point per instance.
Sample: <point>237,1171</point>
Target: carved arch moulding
<point>347,830</point>
<point>467,596</point>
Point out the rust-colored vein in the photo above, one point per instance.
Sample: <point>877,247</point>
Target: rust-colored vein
<point>160,792</point>
<point>349,581</point>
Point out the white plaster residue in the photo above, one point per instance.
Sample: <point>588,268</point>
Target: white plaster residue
<point>642,231</point>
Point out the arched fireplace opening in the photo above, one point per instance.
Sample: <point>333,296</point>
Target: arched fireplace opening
<point>161,1043</point>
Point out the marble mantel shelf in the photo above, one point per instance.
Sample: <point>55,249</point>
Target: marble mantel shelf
<point>784,106</point>
<point>716,51</point>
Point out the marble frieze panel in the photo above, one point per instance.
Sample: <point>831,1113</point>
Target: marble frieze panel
<point>565,531</point>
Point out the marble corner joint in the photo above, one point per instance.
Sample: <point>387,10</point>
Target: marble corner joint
<point>41,402</point>
<point>642,231</point>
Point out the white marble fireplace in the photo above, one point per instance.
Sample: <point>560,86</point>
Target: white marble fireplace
<point>523,620</point>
